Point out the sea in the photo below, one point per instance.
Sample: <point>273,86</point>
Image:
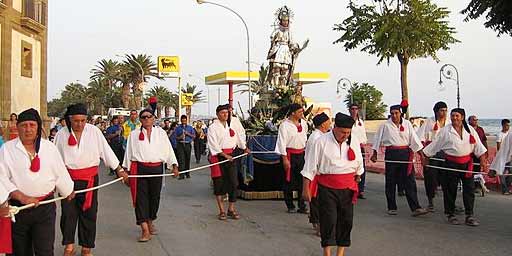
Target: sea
<point>491,126</point>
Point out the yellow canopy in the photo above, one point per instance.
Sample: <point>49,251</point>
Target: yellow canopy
<point>235,77</point>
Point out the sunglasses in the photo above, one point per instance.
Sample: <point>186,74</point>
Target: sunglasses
<point>146,117</point>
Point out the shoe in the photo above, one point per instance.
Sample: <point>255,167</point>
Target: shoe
<point>144,238</point>
<point>86,252</point>
<point>361,196</point>
<point>69,252</point>
<point>291,210</point>
<point>419,212</point>
<point>187,176</point>
<point>507,193</point>
<point>453,220</point>
<point>181,178</point>
<point>152,230</point>
<point>472,221</point>
<point>234,215</point>
<point>392,212</point>
<point>303,210</point>
<point>401,193</point>
<point>222,216</point>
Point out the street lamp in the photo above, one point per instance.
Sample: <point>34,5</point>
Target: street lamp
<point>447,71</point>
<point>248,45</point>
<point>345,87</point>
<point>143,79</point>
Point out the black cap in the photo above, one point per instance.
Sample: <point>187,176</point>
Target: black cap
<point>222,107</point>
<point>439,105</point>
<point>343,121</point>
<point>32,115</point>
<point>76,109</point>
<point>320,119</point>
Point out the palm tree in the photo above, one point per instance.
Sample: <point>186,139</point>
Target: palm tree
<point>196,97</point>
<point>139,68</point>
<point>106,71</point>
<point>125,79</point>
<point>163,95</point>
<point>258,86</point>
<point>96,94</point>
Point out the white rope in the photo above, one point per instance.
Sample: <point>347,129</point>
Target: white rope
<point>13,210</point>
<point>440,167</point>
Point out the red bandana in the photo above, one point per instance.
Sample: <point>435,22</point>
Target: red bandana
<point>359,123</point>
<point>402,129</point>
<point>72,140</point>
<point>351,154</point>
<point>141,135</point>
<point>436,127</point>
<point>35,164</point>
<point>231,132</point>
<point>472,139</point>
<point>299,128</point>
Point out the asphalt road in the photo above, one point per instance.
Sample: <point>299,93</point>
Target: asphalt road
<point>187,225</point>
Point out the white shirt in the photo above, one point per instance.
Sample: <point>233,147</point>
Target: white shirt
<point>92,147</point>
<point>311,141</point>
<point>426,131</point>
<point>157,150</point>
<point>288,136</point>
<point>389,134</point>
<point>359,131</point>
<point>219,138</point>
<point>501,136</point>
<point>449,141</point>
<point>239,129</point>
<point>330,157</point>
<point>503,156</point>
<point>16,173</point>
<point>4,193</point>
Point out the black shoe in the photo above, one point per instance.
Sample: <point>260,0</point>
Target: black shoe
<point>187,176</point>
<point>361,196</point>
<point>197,161</point>
<point>291,210</point>
<point>181,177</point>
<point>303,210</point>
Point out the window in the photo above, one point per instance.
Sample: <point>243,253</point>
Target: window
<point>36,10</point>
<point>26,59</point>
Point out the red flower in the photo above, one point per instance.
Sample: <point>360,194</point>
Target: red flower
<point>35,165</point>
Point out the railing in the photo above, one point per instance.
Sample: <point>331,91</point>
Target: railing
<point>36,10</point>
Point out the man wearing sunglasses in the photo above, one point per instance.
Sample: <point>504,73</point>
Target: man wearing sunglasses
<point>147,151</point>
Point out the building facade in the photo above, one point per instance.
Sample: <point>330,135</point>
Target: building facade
<point>23,51</point>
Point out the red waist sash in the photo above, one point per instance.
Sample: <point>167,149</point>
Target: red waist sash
<point>410,159</point>
<point>468,159</point>
<point>215,171</point>
<point>339,181</point>
<point>133,181</point>
<point>85,174</point>
<point>5,235</point>
<point>289,153</point>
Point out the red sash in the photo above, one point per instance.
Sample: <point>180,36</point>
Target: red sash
<point>340,181</point>
<point>133,181</point>
<point>215,169</point>
<point>85,174</point>
<point>411,156</point>
<point>468,159</point>
<point>289,153</point>
<point>313,187</point>
<point>5,235</point>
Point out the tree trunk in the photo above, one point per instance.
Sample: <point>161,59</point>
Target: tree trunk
<point>137,94</point>
<point>404,61</point>
<point>188,109</point>
<point>125,95</point>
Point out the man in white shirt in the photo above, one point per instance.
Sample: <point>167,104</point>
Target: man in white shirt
<point>336,164</point>
<point>322,124</point>
<point>222,140</point>
<point>32,171</point>
<point>503,157</point>
<point>82,146</point>
<point>460,143</point>
<point>505,126</point>
<point>401,142</point>
<point>427,132</point>
<point>291,141</point>
<point>359,132</point>
<point>147,150</point>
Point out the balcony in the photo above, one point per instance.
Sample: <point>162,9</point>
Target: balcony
<point>34,15</point>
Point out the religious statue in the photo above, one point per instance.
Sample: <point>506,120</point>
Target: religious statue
<point>283,50</point>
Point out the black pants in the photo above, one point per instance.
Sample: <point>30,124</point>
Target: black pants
<point>313,211</point>
<point>183,151</point>
<point>148,194</point>
<point>72,214</point>
<point>297,164</point>
<point>396,173</point>
<point>361,184</point>
<point>228,182</point>
<point>450,182</point>
<point>336,212</point>
<point>34,230</point>
<point>431,177</point>
<point>198,149</point>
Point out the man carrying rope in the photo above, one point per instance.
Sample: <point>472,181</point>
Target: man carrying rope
<point>401,141</point>
<point>335,164</point>
<point>222,141</point>
<point>82,146</point>
<point>147,150</point>
<point>460,143</point>
<point>33,170</point>
<point>427,132</point>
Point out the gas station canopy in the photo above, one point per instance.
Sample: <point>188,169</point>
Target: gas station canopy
<point>237,77</point>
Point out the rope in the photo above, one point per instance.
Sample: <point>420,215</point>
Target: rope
<point>440,167</point>
<point>13,210</point>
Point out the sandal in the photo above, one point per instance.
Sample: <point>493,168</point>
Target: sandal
<point>86,252</point>
<point>453,220</point>
<point>222,216</point>
<point>472,221</point>
<point>144,238</point>
<point>153,230</point>
<point>234,215</point>
<point>69,252</point>
<point>392,212</point>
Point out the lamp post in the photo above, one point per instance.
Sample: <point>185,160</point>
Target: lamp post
<point>447,71</point>
<point>343,86</point>
<point>248,45</point>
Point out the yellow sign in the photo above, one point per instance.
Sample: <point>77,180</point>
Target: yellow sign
<point>168,66</point>
<point>186,99</point>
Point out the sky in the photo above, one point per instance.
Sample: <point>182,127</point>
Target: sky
<point>209,40</point>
